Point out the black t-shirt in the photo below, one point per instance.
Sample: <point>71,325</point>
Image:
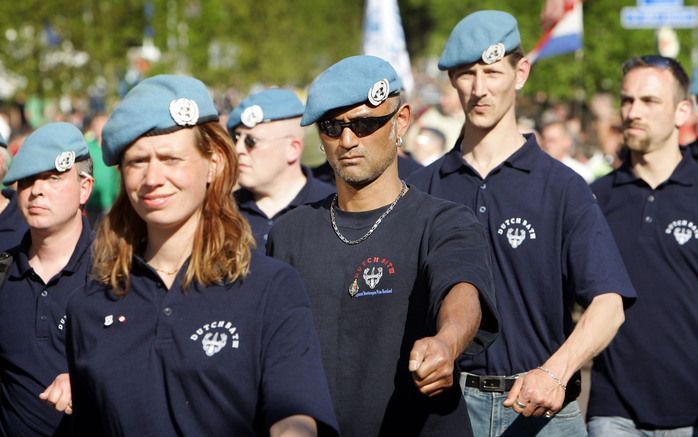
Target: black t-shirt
<point>398,275</point>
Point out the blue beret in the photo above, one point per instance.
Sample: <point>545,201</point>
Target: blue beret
<point>481,36</point>
<point>265,106</point>
<point>157,105</point>
<point>351,81</point>
<point>54,146</point>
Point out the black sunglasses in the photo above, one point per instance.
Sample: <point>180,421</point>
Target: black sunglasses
<point>250,141</point>
<point>659,62</point>
<point>360,126</point>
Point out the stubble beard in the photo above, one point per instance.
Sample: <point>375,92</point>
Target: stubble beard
<point>637,144</point>
<point>362,178</point>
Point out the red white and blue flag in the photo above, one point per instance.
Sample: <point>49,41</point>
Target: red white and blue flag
<point>564,35</point>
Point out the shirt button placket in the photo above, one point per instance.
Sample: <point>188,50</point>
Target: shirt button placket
<point>650,208</point>
<point>42,328</point>
<point>163,332</point>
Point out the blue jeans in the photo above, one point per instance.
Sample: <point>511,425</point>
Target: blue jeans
<point>490,418</point>
<point>614,426</point>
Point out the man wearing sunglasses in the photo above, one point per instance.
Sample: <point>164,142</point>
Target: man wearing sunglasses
<point>399,281</point>
<point>268,139</point>
<point>550,241</point>
<point>644,383</point>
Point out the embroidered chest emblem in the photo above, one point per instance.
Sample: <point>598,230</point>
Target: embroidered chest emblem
<point>517,230</point>
<point>682,231</point>
<point>213,342</point>
<point>372,275</point>
<point>372,271</point>
<point>215,336</point>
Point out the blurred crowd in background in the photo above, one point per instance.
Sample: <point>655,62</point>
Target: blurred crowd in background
<point>585,135</point>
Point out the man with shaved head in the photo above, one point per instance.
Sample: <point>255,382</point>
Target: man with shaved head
<point>268,139</point>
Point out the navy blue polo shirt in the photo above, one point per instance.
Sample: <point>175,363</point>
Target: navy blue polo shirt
<point>406,165</point>
<point>398,277</point>
<point>32,339</point>
<point>648,372</point>
<point>551,246</point>
<point>12,224</point>
<point>225,360</point>
<point>693,149</point>
<point>313,190</point>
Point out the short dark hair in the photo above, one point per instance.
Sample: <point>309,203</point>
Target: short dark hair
<point>663,63</point>
<point>515,56</point>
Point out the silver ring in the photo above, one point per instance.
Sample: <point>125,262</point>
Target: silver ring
<point>519,404</point>
<point>549,414</point>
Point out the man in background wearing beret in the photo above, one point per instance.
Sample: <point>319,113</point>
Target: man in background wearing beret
<point>399,281</point>
<point>268,139</point>
<point>53,175</point>
<point>550,241</point>
<point>12,225</point>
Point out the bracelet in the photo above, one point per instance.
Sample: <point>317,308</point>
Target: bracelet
<point>553,376</point>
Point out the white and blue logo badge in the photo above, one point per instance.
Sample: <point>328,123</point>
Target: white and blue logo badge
<point>517,230</point>
<point>215,336</point>
<point>682,230</point>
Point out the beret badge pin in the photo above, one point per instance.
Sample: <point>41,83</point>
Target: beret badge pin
<point>379,92</point>
<point>252,116</point>
<point>493,53</point>
<point>64,161</point>
<point>184,112</point>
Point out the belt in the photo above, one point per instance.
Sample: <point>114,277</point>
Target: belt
<point>502,384</point>
<point>497,384</point>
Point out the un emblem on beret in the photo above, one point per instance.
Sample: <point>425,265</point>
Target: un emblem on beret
<point>493,53</point>
<point>379,92</point>
<point>252,115</point>
<point>184,112</point>
<point>64,161</point>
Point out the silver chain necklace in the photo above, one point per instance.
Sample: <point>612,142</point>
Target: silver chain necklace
<point>344,239</point>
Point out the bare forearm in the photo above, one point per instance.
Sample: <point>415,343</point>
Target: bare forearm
<point>459,317</point>
<point>594,331</point>
<point>540,391</point>
<point>294,426</point>
<point>432,358</point>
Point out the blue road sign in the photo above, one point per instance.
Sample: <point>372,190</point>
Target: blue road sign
<point>655,17</point>
<point>662,3</point>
